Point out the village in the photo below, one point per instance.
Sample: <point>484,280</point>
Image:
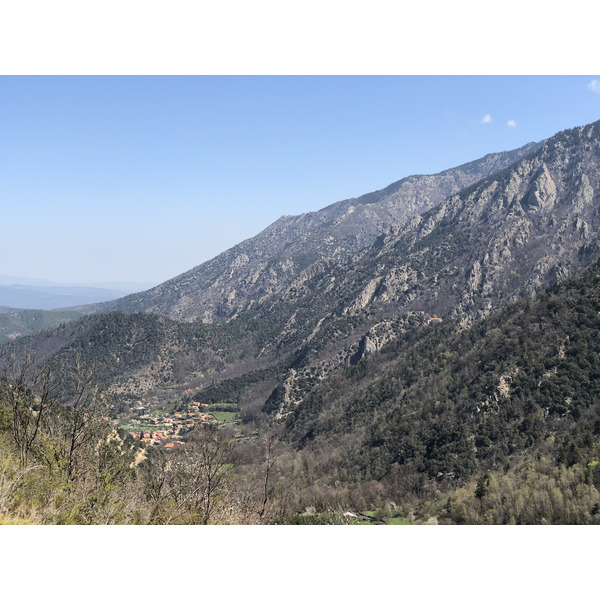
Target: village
<point>162,428</point>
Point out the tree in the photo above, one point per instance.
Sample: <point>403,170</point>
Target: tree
<point>158,473</point>
<point>213,456</point>
<point>31,391</point>
<point>201,473</point>
<point>86,410</point>
<point>270,458</point>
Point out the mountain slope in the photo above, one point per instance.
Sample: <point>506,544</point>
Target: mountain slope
<point>504,237</point>
<point>287,251</point>
<point>449,404</point>
<point>507,236</point>
<point>15,323</point>
<point>136,353</point>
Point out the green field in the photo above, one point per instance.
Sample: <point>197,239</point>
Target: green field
<point>223,416</point>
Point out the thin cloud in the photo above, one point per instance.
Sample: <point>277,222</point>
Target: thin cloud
<point>511,123</point>
<point>594,86</point>
<point>487,119</point>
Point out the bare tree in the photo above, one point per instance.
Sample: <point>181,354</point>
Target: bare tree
<point>31,392</point>
<point>202,472</point>
<point>159,474</point>
<point>82,422</point>
<point>270,459</point>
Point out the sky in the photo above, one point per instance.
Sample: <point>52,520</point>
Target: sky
<point>140,178</point>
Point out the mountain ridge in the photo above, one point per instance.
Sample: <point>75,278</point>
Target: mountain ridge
<point>474,252</point>
<point>260,267</point>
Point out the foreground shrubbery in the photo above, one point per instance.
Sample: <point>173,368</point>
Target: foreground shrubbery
<point>199,485</point>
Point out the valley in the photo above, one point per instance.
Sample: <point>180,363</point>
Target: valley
<point>427,352</point>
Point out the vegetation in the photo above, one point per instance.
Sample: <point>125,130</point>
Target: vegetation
<point>230,391</point>
<point>26,322</point>
<point>495,424</point>
<point>223,416</point>
<point>443,407</point>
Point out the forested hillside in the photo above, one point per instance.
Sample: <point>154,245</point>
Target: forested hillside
<point>15,323</point>
<point>445,405</point>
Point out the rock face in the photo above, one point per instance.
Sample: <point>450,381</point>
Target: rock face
<point>285,256</point>
<point>507,236</point>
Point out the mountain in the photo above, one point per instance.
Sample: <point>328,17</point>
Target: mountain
<point>511,403</point>
<point>12,280</point>
<point>507,236</point>
<point>241,285</point>
<point>15,323</point>
<point>140,352</point>
<point>293,247</point>
<point>124,287</point>
<point>28,293</point>
<point>287,298</point>
<point>8,309</point>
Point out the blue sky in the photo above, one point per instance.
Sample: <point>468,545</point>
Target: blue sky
<point>141,178</point>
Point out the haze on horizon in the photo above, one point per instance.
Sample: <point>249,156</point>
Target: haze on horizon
<point>139,179</point>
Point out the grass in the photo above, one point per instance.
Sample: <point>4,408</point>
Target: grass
<point>16,520</point>
<point>223,416</point>
<point>368,513</point>
<point>398,521</point>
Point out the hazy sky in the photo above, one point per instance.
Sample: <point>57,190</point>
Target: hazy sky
<point>141,178</point>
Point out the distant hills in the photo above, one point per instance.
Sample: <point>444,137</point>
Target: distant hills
<point>27,293</point>
<point>30,305</point>
<point>52,297</point>
<point>18,323</point>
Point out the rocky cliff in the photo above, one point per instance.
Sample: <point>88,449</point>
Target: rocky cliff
<point>509,235</point>
<point>295,248</point>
